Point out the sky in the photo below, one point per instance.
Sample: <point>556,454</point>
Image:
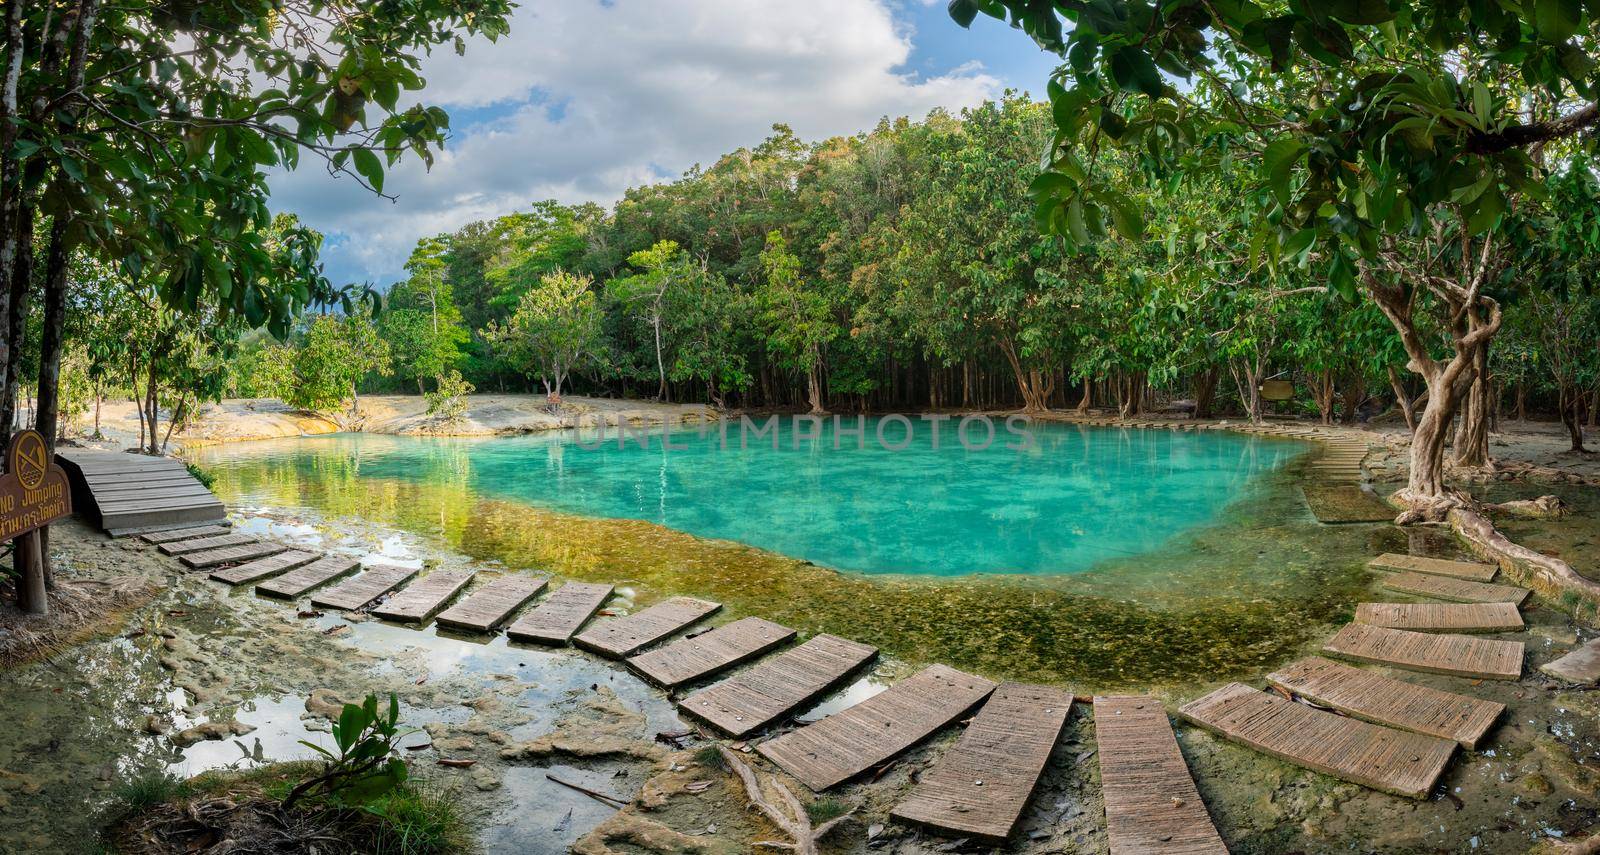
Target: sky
<point>586,98</point>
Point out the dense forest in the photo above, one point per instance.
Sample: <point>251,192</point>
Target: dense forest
<point>899,268</point>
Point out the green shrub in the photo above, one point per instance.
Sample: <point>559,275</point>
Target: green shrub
<point>205,478</point>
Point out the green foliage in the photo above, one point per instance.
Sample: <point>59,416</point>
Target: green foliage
<point>448,398</point>
<point>334,356</point>
<point>826,808</point>
<point>148,790</point>
<point>365,762</point>
<point>557,328</point>
<point>205,478</point>
<point>414,820</point>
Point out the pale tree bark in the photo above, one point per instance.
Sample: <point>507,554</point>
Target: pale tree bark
<point>1472,430</point>
<point>1035,386</point>
<point>1403,400</point>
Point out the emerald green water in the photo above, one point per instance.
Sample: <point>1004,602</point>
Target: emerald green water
<point>1042,498</point>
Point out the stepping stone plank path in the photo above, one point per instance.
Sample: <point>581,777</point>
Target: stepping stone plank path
<point>1442,617</point>
<point>198,544</point>
<point>777,687</point>
<point>352,594</point>
<point>849,742</point>
<point>1394,761</point>
<point>190,533</point>
<point>1581,666</point>
<point>564,613</point>
<point>1434,653</point>
<point>710,653</point>
<point>980,786</point>
<point>1381,700</point>
<point>1455,590</point>
<point>1346,504</point>
<point>621,637</point>
<point>1152,806</point>
<point>298,581</point>
<point>1470,570</point>
<point>489,606</point>
<point>230,555</point>
<point>417,602</point>
<point>261,568</point>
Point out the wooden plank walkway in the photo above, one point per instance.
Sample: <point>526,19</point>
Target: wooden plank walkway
<point>1383,700</point>
<point>490,606</point>
<point>1394,761</point>
<point>1470,570</point>
<point>851,741</point>
<point>1152,806</point>
<point>779,686</point>
<point>128,492</point>
<point>374,582</point>
<point>562,614</point>
<point>624,636</point>
<point>230,554</point>
<point>1346,504</point>
<point>697,658</point>
<point>293,584</point>
<point>1434,653</point>
<point>1581,666</point>
<point>261,568</point>
<point>172,535</point>
<point>216,541</point>
<point>979,787</point>
<point>1455,590</point>
<point>418,601</point>
<point>1442,617</point>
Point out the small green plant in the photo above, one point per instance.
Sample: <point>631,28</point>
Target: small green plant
<point>709,757</point>
<point>205,478</point>
<point>824,809</point>
<point>448,400</point>
<point>368,764</point>
<point>149,790</point>
<point>419,821</point>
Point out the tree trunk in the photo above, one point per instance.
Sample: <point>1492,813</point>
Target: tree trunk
<point>1355,394</point>
<point>1472,432</point>
<point>16,322</point>
<point>32,592</point>
<point>1594,408</point>
<point>1322,391</point>
<point>1205,393</point>
<point>57,260</point>
<point>1088,396</point>
<point>1403,400</point>
<point>1569,400</point>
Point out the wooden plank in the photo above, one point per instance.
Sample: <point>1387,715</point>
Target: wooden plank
<point>980,786</point>
<point>293,584</point>
<point>1455,590</point>
<point>1346,504</point>
<point>1581,666</point>
<point>1152,806</point>
<point>625,636</point>
<point>490,606</point>
<point>562,614</point>
<point>1394,761</point>
<point>172,535</point>
<point>216,541</point>
<point>217,521</point>
<point>261,568</point>
<point>352,594</point>
<point>779,686</point>
<point>849,742</point>
<point>133,522</point>
<point>1442,617</point>
<point>138,502</point>
<point>1383,700</point>
<point>417,602</point>
<point>1434,653</point>
<point>710,653</point>
<point>1435,566</point>
<point>231,554</point>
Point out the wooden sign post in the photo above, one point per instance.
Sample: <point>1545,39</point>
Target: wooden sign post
<point>34,492</point>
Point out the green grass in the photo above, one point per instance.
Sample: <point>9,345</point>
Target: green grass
<point>418,820</point>
<point>709,757</point>
<point>826,808</point>
<point>149,790</point>
<point>205,478</point>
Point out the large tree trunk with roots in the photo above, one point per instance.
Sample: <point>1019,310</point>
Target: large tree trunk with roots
<point>1402,399</point>
<point>1569,401</point>
<point>1472,431</point>
<point>1205,392</point>
<point>1323,393</point>
<point>1087,400</point>
<point>1036,386</point>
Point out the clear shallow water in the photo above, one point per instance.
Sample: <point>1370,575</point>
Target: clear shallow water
<point>1062,499</point>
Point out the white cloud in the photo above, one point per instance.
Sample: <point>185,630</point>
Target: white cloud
<point>584,99</point>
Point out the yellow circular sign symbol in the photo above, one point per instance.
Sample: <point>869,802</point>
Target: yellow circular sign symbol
<point>29,460</point>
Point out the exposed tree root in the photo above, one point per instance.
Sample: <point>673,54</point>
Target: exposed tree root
<point>1545,573</point>
<point>794,821</point>
<point>1543,508</point>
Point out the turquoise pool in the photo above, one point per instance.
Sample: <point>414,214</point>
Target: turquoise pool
<point>889,502</point>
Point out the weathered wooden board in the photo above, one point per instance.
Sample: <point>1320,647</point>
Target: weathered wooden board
<point>851,741</point>
<point>625,636</point>
<point>172,535</point>
<point>231,554</point>
<point>1346,504</point>
<point>1581,666</point>
<point>1152,806</point>
<point>1383,700</point>
<point>418,601</point>
<point>562,614</point>
<point>200,544</point>
<point>261,568</point>
<point>374,582</point>
<point>980,786</point>
<point>1394,761</point>
<point>710,653</point>
<point>1435,566</point>
<point>1434,653</point>
<point>1442,617</point>
<point>1455,590</point>
<point>293,584</point>
<point>779,686</point>
<point>489,606</point>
